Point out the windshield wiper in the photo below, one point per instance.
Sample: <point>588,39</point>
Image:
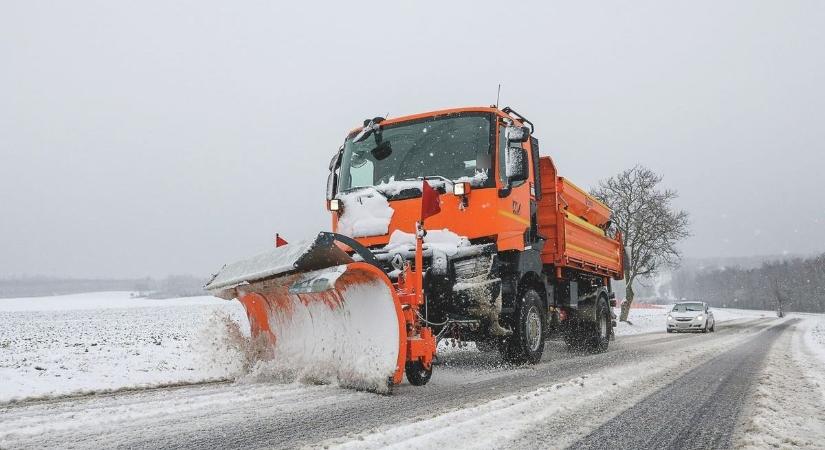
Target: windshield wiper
<point>361,188</point>
<point>433,177</point>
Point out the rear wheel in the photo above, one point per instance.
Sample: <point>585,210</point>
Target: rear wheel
<point>669,330</point>
<point>417,374</point>
<point>597,334</point>
<point>526,345</point>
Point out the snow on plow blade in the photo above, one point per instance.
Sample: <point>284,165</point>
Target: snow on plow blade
<point>316,313</point>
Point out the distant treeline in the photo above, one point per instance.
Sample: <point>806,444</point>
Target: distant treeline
<point>798,283</point>
<point>38,286</point>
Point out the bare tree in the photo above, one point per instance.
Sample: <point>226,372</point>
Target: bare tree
<point>649,223</point>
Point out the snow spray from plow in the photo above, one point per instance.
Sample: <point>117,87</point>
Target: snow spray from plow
<point>314,310</point>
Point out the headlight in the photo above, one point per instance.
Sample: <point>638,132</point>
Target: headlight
<point>669,317</point>
<point>700,317</point>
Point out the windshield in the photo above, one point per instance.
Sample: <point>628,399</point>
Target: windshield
<point>687,307</point>
<point>456,147</point>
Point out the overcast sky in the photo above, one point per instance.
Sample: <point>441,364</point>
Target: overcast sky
<point>148,138</point>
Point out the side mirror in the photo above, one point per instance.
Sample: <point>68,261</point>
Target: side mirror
<point>336,159</point>
<point>332,179</point>
<point>515,164</point>
<point>332,185</point>
<point>517,134</point>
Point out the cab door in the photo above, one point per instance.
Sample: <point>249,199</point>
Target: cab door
<point>513,213</point>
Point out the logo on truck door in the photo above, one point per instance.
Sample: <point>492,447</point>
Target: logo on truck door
<point>516,207</point>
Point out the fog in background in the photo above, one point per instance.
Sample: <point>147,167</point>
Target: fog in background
<point>148,138</point>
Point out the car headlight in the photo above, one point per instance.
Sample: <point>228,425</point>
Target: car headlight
<point>669,317</point>
<point>700,317</point>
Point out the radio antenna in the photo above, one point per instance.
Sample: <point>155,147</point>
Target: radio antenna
<point>498,95</point>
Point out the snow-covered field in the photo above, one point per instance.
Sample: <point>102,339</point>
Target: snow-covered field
<point>97,342</point>
<point>56,346</point>
<point>102,341</point>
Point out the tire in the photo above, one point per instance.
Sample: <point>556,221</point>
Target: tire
<point>417,375</point>
<point>526,344</point>
<point>713,327</point>
<point>705,330</point>
<point>597,334</point>
<point>669,330</point>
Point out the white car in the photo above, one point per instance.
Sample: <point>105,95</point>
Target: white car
<point>691,316</point>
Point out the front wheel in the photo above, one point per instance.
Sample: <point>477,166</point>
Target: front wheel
<point>526,344</point>
<point>417,374</point>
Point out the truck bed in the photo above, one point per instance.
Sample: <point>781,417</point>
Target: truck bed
<point>571,220</point>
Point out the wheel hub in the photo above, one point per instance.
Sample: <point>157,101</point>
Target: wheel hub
<point>533,329</point>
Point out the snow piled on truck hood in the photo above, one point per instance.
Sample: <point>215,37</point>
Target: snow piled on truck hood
<point>442,240</point>
<point>366,213</point>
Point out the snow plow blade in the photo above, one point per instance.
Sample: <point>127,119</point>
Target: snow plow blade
<point>317,313</point>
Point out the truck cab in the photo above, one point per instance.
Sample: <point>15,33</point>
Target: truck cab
<point>516,253</point>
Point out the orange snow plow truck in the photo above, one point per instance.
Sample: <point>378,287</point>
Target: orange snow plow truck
<point>447,224</point>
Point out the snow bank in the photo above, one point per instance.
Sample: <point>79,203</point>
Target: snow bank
<point>366,213</point>
<point>814,337</point>
<point>786,410</point>
<point>809,352</point>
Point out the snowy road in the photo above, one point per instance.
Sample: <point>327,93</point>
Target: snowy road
<point>472,401</point>
<point>699,410</point>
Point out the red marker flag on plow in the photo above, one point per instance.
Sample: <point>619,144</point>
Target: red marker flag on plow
<point>430,201</point>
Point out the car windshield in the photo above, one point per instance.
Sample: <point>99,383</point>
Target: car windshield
<point>456,147</point>
<point>687,307</point>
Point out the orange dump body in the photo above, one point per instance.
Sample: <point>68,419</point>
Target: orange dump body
<point>572,222</point>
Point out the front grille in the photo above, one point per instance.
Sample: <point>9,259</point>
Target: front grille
<point>683,319</point>
<point>469,268</point>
